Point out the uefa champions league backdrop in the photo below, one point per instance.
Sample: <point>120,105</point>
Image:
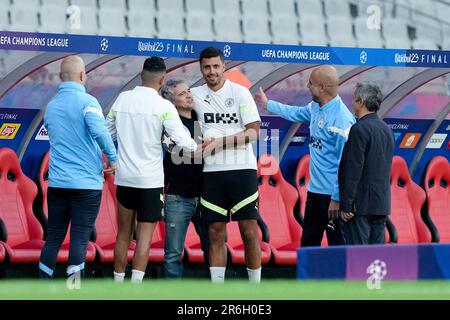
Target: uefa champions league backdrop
<point>415,84</point>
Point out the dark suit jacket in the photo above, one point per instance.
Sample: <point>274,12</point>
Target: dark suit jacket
<point>365,168</point>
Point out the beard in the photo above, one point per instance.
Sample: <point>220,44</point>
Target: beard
<point>315,98</point>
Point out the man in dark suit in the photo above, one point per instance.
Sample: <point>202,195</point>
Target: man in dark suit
<point>364,171</point>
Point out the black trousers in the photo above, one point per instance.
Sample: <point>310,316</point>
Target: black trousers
<point>79,208</point>
<point>361,229</point>
<point>316,222</point>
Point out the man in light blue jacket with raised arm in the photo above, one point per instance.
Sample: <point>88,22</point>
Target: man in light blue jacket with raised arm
<point>78,135</point>
<point>330,122</point>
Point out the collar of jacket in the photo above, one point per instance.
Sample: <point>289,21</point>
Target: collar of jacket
<point>71,85</point>
<point>371,115</point>
<point>329,105</point>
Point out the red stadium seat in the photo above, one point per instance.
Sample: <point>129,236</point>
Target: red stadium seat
<point>156,254</point>
<point>106,225</point>
<point>40,207</point>
<point>2,253</point>
<point>23,238</point>
<point>41,204</point>
<point>437,187</point>
<point>277,199</point>
<point>192,246</point>
<point>301,181</point>
<point>235,245</point>
<point>407,199</point>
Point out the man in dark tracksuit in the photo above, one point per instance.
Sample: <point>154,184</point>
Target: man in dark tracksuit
<point>364,171</point>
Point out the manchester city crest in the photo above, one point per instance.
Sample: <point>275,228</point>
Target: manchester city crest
<point>229,102</point>
<point>320,123</point>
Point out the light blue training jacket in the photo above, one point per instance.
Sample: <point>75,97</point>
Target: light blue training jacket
<point>329,128</point>
<point>78,135</point>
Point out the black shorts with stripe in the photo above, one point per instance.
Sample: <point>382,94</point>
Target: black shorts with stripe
<point>147,203</point>
<point>229,195</point>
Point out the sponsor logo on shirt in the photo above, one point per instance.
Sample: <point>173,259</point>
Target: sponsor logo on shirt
<point>224,118</point>
<point>42,134</point>
<point>410,140</point>
<point>9,130</point>
<point>315,143</point>
<point>436,141</point>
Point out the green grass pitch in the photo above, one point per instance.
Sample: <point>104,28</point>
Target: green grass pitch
<point>230,290</point>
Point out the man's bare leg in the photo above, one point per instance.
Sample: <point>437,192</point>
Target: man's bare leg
<point>217,251</point>
<point>249,234</point>
<point>126,220</point>
<point>144,235</point>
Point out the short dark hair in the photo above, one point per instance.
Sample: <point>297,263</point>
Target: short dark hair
<point>211,52</point>
<point>370,95</point>
<point>154,64</point>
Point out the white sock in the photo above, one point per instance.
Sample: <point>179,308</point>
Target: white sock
<point>254,275</point>
<point>217,274</point>
<point>119,276</point>
<point>137,276</point>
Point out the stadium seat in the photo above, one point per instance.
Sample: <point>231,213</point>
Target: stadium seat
<point>53,19</point>
<point>277,199</point>
<point>310,8</point>
<point>54,3</point>
<point>424,43</point>
<point>284,8</point>
<point>442,11</point>
<point>21,234</point>
<point>90,4</point>
<point>41,212</point>
<point>407,199</point>
<point>395,34</point>
<point>301,181</point>
<point>285,30</point>
<point>199,27</point>
<point>367,38</point>
<point>4,20</point>
<point>340,32</point>
<point>431,30</point>
<point>230,7</point>
<point>2,253</point>
<point>170,25</point>
<point>232,32</point>
<point>156,254</point>
<point>24,18</point>
<point>256,29</point>
<point>106,226</point>
<point>255,7</point>
<point>170,7</point>
<point>113,4</point>
<point>386,7</point>
<point>192,246</point>
<point>423,11</point>
<point>88,22</point>
<point>337,9</point>
<point>141,23</point>
<point>141,5</point>
<point>235,245</point>
<point>437,187</point>
<point>30,4</point>
<point>199,7</point>
<point>402,9</point>
<point>312,31</point>
<point>111,22</point>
